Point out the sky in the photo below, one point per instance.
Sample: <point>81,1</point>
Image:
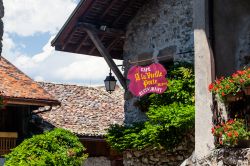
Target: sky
<point>29,27</point>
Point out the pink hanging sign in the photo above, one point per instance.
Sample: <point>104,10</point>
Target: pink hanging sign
<point>149,79</point>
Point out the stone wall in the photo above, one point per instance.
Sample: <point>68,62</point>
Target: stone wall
<point>1,24</point>
<point>231,35</point>
<point>149,157</point>
<point>243,51</point>
<point>160,27</point>
<point>97,161</point>
<point>223,157</point>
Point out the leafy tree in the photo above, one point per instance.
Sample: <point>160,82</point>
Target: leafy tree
<point>58,147</point>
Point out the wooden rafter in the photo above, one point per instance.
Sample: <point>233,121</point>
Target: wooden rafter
<point>110,31</point>
<point>87,5</point>
<point>111,45</point>
<point>103,51</point>
<point>108,8</point>
<point>68,39</point>
<point>84,40</point>
<point>94,48</point>
<point>123,11</point>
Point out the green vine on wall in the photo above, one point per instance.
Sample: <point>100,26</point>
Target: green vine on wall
<point>170,115</point>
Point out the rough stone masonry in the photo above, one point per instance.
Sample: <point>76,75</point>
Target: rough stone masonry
<point>160,157</point>
<point>1,24</point>
<point>223,157</point>
<point>164,27</point>
<point>1,45</point>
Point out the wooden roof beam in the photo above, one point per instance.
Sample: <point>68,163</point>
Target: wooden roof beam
<point>112,44</point>
<point>68,39</point>
<point>104,52</point>
<point>107,9</point>
<point>94,48</point>
<point>123,11</point>
<point>84,40</point>
<point>107,30</point>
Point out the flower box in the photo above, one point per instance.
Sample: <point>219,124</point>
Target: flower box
<point>247,90</point>
<point>233,98</point>
<point>232,133</point>
<point>227,89</point>
<point>243,144</point>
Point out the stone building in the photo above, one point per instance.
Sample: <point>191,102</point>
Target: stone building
<point>221,34</point>
<point>160,27</point>
<point>1,24</point>
<point>131,30</point>
<point>138,31</point>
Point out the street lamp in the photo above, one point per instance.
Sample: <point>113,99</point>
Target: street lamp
<point>110,83</point>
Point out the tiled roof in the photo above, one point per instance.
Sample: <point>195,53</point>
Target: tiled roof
<point>86,111</point>
<point>18,88</point>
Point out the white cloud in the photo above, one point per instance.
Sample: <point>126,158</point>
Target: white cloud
<point>8,44</point>
<point>54,66</point>
<point>10,48</point>
<point>28,17</point>
<point>34,17</point>
<point>85,68</point>
<point>46,52</point>
<point>39,78</point>
<point>11,52</point>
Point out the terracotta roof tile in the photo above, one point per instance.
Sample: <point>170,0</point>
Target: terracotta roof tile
<point>15,85</point>
<point>85,111</point>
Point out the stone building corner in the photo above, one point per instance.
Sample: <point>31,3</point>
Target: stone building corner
<point>1,24</point>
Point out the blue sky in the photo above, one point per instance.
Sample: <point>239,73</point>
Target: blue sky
<point>29,26</point>
<point>30,45</point>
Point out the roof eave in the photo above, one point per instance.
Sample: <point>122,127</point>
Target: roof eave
<point>31,102</point>
<point>53,42</point>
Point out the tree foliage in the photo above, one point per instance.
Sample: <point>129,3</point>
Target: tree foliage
<point>57,147</point>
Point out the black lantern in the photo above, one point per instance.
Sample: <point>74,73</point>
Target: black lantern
<point>110,83</point>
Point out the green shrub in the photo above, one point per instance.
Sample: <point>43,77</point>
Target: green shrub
<point>170,116</point>
<point>169,124</point>
<point>165,128</point>
<point>181,88</point>
<point>58,147</point>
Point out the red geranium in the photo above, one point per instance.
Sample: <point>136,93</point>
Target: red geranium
<point>229,133</point>
<point>231,85</point>
<point>243,78</point>
<point>223,87</point>
<point>210,87</point>
<point>235,75</point>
